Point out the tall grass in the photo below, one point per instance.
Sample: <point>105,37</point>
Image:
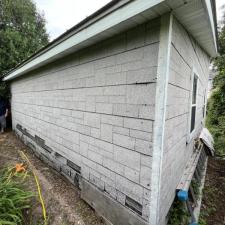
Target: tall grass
<point>14,200</point>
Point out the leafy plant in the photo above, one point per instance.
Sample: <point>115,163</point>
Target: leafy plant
<point>178,214</point>
<point>22,33</point>
<point>216,105</point>
<point>14,200</point>
<point>196,188</point>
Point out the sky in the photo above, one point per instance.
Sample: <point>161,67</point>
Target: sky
<point>219,4</point>
<point>62,15</point>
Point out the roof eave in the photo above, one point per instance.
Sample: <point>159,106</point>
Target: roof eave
<point>107,25</point>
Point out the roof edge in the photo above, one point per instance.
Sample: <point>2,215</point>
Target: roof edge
<point>57,47</point>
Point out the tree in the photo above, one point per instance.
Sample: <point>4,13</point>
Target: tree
<point>216,105</point>
<point>22,33</point>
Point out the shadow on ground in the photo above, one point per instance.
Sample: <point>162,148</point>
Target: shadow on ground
<point>213,204</point>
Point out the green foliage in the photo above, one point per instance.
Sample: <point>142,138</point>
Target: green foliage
<point>178,214</point>
<point>216,105</point>
<point>196,188</point>
<point>13,199</point>
<point>22,33</point>
<point>209,206</point>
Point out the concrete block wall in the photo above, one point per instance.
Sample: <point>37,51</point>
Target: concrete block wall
<point>186,54</point>
<point>95,108</point>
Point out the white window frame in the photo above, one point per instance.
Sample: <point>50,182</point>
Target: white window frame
<point>205,104</point>
<point>191,133</point>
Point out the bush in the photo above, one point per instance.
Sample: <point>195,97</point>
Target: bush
<point>215,121</point>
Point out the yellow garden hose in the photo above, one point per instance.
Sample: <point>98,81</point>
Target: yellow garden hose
<point>38,186</point>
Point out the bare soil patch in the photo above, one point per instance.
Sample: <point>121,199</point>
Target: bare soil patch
<point>63,203</point>
<point>213,203</point>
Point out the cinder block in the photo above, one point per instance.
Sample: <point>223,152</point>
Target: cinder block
<point>145,177</point>
<point>83,129</point>
<point>85,171</point>
<point>106,132</point>
<point>95,132</point>
<point>147,112</point>
<point>131,189</point>
<point>121,198</point>
<point>125,110</point>
<point>102,98</point>
<point>141,94</point>
<point>124,141</point>
<point>108,147</point>
<point>96,181</point>
<point>115,90</point>
<point>117,99</point>
<point>113,165</point>
<point>130,56</point>
<point>92,120</point>
<point>142,75</point>
<point>147,194</point>
<point>121,130</point>
<point>116,78</point>
<point>127,157</point>
<point>95,157</point>
<point>114,120</point>
<point>83,148</point>
<point>144,147</point>
<point>104,108</point>
<point>131,174</point>
<point>146,209</point>
<point>146,160</point>
<point>138,124</point>
<point>141,135</point>
<point>111,190</point>
<point>136,37</point>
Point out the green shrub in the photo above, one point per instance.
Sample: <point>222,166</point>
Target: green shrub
<point>178,214</point>
<point>14,200</point>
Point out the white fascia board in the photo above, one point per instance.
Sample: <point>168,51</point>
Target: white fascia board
<point>122,14</point>
<point>211,20</point>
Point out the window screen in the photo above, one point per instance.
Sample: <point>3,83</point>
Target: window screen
<point>193,102</point>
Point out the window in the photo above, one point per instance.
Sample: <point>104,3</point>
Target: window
<point>193,102</point>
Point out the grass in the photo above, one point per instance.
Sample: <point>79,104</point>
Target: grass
<point>14,199</point>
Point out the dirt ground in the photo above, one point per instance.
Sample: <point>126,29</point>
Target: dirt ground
<point>213,204</point>
<point>63,203</point>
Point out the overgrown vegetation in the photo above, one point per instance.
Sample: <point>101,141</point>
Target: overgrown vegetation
<point>196,188</point>
<point>178,214</point>
<point>22,33</point>
<point>216,105</point>
<point>206,211</point>
<point>14,199</point>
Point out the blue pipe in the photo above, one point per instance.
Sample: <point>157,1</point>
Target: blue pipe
<point>182,195</point>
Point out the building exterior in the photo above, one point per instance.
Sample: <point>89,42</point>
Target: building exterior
<point>116,102</point>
